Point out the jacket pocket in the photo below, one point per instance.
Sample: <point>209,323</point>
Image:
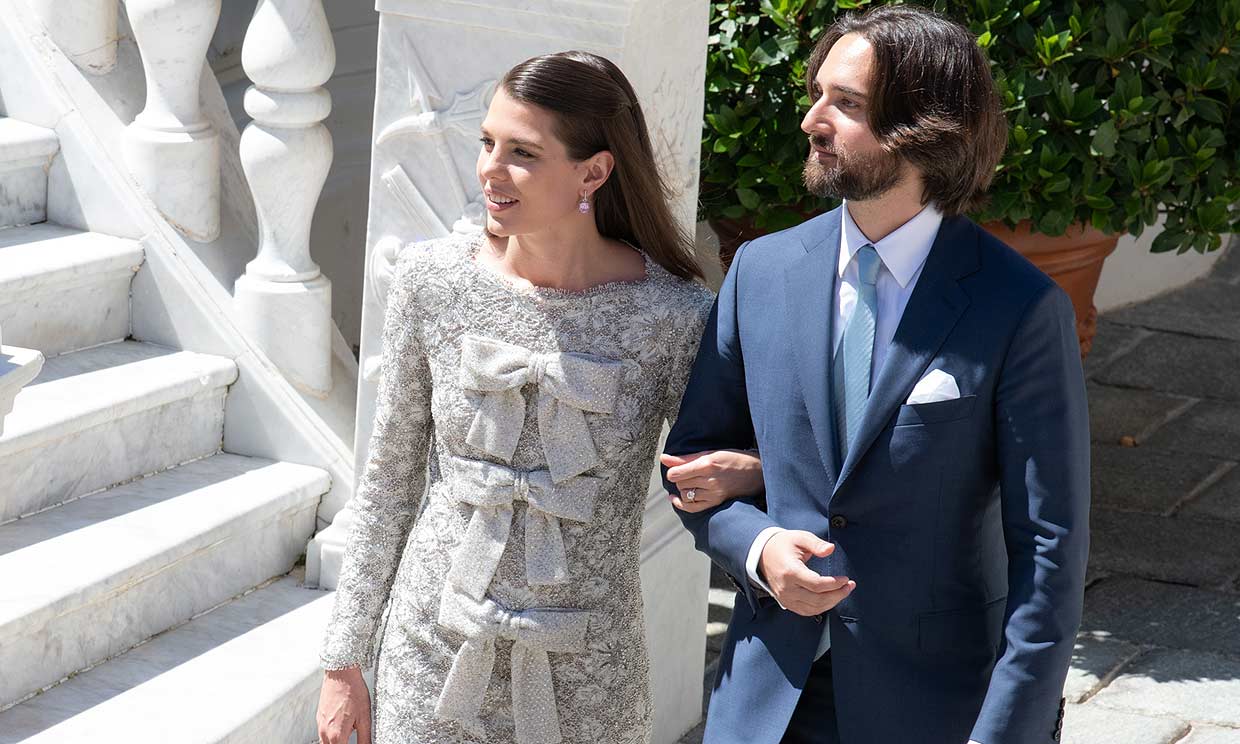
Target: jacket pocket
<point>937,412</point>
<point>975,630</point>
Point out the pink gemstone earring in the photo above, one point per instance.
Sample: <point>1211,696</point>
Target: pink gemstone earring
<point>583,206</point>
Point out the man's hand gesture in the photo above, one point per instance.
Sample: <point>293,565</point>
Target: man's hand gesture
<point>797,587</point>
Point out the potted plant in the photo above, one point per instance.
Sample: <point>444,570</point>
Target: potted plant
<point>1120,112</point>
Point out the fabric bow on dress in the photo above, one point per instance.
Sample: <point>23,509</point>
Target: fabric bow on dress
<point>569,384</point>
<point>492,489</point>
<point>534,633</point>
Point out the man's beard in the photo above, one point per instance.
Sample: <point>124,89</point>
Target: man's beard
<point>853,177</point>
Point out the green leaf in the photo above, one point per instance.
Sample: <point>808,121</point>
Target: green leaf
<point>1057,183</point>
<point>1167,241</point>
<point>749,198</point>
<point>1127,86</point>
<point>768,53</point>
<point>1116,19</point>
<point>1208,109</point>
<point>740,60</point>
<point>1100,202</point>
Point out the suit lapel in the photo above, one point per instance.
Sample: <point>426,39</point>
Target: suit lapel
<point>810,287</point>
<point>933,309</point>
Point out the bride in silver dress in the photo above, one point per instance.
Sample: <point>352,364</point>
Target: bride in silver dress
<point>527,374</point>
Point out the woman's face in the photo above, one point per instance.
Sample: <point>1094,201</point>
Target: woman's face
<point>528,180</point>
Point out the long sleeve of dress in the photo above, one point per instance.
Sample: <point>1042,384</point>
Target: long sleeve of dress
<point>679,379</point>
<point>390,490</point>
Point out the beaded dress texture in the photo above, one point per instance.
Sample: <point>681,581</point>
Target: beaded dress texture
<point>499,516</point>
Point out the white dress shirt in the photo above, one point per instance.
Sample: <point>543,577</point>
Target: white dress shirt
<point>903,253</point>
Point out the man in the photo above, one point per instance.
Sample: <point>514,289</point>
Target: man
<point>915,572</point>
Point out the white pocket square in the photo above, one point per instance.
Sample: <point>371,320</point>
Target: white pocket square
<point>936,386</point>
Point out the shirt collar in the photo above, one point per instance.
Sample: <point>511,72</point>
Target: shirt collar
<point>903,251</point>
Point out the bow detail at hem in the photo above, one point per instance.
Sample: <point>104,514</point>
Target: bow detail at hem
<point>534,633</point>
<point>569,384</point>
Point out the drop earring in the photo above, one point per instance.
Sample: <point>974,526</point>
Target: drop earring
<point>583,206</point>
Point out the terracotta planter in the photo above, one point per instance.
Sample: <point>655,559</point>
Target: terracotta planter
<point>1073,260</point>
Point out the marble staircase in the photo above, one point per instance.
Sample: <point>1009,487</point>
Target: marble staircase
<point>237,675</point>
<point>145,587</point>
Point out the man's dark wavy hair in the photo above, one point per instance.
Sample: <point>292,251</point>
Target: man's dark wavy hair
<point>933,101</point>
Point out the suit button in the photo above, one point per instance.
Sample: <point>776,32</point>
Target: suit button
<point>838,522</point>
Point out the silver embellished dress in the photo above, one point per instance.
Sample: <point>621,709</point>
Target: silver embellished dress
<point>499,516</point>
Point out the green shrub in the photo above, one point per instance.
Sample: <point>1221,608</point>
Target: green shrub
<point>1119,111</point>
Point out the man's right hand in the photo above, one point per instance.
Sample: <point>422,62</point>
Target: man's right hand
<point>797,587</point>
<point>344,705</point>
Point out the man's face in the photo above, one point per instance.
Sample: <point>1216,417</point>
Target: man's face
<point>845,159</point>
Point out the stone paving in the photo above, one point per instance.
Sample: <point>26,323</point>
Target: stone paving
<point>1158,657</point>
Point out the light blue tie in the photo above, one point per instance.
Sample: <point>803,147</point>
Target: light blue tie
<point>852,370</point>
<point>852,388</point>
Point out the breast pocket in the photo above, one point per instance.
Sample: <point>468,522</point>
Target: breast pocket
<point>937,412</point>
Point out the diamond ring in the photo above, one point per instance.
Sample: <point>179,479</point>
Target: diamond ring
<point>690,494</point>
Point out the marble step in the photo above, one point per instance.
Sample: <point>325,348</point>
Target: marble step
<point>93,578</point>
<point>63,289</point>
<point>244,673</point>
<point>106,415</point>
<point>26,151</point>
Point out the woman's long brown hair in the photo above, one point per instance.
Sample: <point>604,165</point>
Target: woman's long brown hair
<point>596,110</point>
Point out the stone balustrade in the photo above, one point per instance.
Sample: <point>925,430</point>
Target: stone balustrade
<point>85,30</point>
<point>283,300</point>
<point>171,148</point>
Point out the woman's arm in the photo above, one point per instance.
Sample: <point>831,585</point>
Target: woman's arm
<point>390,489</point>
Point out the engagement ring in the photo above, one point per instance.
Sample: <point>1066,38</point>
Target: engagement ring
<point>690,494</point>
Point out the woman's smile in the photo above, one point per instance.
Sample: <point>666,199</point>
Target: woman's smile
<point>497,202</point>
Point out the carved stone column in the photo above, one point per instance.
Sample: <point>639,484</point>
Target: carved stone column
<point>283,300</point>
<point>433,90</point>
<point>85,30</point>
<point>171,148</point>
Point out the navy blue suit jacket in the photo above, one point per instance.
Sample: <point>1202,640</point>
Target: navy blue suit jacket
<point>963,522</point>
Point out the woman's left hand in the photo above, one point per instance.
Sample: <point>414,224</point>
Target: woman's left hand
<point>714,477</point>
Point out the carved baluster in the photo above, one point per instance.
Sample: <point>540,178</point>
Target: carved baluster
<point>85,30</point>
<point>171,148</point>
<point>283,301</point>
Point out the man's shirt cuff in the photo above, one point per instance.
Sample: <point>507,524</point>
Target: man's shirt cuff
<point>755,554</point>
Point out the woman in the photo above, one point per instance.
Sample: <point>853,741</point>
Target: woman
<point>534,365</point>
